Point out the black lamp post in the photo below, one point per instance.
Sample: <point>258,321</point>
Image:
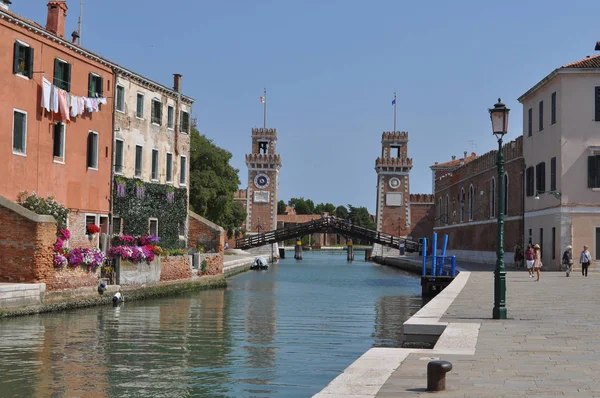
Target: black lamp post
<point>499,117</point>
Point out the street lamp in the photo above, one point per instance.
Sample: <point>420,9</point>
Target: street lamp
<point>499,117</point>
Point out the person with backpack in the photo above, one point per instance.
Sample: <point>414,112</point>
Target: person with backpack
<point>567,260</point>
<point>585,258</point>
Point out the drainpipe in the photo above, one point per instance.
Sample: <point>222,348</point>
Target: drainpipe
<point>112,153</point>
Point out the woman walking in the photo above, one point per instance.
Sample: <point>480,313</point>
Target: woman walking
<point>537,263</point>
<point>567,260</point>
<point>585,258</point>
<point>529,258</point>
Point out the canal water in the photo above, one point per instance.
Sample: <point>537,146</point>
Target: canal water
<point>285,332</point>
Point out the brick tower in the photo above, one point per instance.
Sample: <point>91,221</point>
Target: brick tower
<point>263,181</point>
<point>393,184</point>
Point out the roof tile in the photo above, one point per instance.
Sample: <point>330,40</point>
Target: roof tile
<point>586,63</point>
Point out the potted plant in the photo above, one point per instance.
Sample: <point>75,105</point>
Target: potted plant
<point>91,230</point>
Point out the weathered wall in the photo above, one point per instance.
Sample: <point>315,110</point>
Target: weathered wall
<point>77,227</point>
<point>214,264</point>
<point>140,273</point>
<point>422,209</point>
<point>206,233</point>
<point>73,277</point>
<point>26,240</point>
<point>175,267</point>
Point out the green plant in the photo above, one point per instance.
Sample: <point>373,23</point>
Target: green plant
<point>136,201</point>
<point>200,249</point>
<point>174,252</point>
<point>44,206</point>
<point>203,267</point>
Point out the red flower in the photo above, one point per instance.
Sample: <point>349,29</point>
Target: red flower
<point>93,229</point>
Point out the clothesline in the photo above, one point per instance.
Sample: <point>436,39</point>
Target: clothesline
<point>65,104</point>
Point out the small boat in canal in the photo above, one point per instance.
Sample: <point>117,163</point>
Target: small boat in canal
<point>260,263</point>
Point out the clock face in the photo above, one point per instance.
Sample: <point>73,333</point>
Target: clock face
<point>394,183</point>
<point>261,181</point>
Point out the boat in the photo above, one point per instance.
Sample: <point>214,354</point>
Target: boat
<point>260,263</point>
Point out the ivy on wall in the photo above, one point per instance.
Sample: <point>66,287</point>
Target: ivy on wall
<point>136,202</point>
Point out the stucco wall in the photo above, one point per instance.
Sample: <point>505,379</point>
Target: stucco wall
<point>139,273</point>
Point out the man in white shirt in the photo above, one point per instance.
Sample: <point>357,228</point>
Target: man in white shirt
<point>585,258</point>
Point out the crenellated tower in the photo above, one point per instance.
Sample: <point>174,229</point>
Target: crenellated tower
<point>393,184</point>
<point>263,181</point>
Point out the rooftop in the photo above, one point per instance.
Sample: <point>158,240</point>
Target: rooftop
<point>455,162</point>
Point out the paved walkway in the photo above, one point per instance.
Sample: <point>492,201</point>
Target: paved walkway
<point>549,346</point>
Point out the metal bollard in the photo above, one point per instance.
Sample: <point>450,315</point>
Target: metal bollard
<point>436,375</point>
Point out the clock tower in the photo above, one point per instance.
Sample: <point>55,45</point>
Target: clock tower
<point>393,185</point>
<point>263,181</point>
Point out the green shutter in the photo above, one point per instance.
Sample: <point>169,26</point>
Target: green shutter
<point>16,59</point>
<point>90,148</point>
<point>99,89</point>
<point>68,77</point>
<point>57,75</point>
<point>30,63</point>
<point>591,171</point>
<point>91,85</point>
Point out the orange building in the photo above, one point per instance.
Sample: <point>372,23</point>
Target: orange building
<point>40,150</point>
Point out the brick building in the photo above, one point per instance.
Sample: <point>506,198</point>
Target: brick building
<point>466,199</point>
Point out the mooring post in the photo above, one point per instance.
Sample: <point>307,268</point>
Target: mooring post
<point>424,252</point>
<point>436,375</point>
<point>350,251</point>
<point>298,250</point>
<point>433,254</point>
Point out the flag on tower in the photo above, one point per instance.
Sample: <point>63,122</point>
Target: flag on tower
<point>394,101</point>
<point>263,100</point>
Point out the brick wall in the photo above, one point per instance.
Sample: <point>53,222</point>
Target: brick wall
<point>26,240</point>
<point>77,228</point>
<point>205,233</point>
<point>214,264</point>
<point>421,219</point>
<point>175,267</point>
<point>71,278</point>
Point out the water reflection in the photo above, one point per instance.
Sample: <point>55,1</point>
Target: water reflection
<point>285,332</point>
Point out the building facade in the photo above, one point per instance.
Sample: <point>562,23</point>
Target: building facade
<point>466,200</point>
<point>47,150</point>
<point>561,128</point>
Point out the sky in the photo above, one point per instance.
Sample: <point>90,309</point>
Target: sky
<point>331,68</point>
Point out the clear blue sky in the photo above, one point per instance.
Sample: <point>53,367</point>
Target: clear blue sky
<point>331,67</point>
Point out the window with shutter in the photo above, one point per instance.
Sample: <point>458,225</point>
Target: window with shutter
<point>95,84</point>
<point>593,171</point>
<point>23,60</point>
<point>156,112</point>
<point>155,164</point>
<point>185,122</point>
<point>140,106</point>
<point>553,110</point>
<point>62,74</point>
<point>58,150</point>
<point>170,118</point>
<point>182,170</point>
<point>19,145</point>
<point>553,174</point>
<point>169,167</point>
<point>597,102</point>
<point>529,181</point>
<point>92,150</point>
<point>120,103</point>
<point>541,116</point>
<point>530,122</point>
<point>138,160</point>
<point>118,156</point>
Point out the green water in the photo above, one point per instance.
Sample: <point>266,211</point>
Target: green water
<point>285,332</point>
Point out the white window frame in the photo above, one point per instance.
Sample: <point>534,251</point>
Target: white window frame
<point>136,105</point>
<point>157,164</point>
<point>150,222</point>
<point>184,183</point>
<point>117,101</point>
<point>12,138</point>
<point>97,150</point>
<point>56,159</point>
<point>167,180</point>
<point>184,229</point>
<point>19,74</point>
<point>189,122</point>
<point>172,125</point>
<point>141,175</point>
<point>64,62</point>
<point>152,101</point>
<point>96,221</point>
<point>122,157</point>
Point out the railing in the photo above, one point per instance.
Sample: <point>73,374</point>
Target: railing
<point>439,266</point>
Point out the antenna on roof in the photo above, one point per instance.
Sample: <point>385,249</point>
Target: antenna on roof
<point>473,145</point>
<point>79,21</point>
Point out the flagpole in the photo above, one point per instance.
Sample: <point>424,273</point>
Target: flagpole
<point>394,111</point>
<point>265,109</point>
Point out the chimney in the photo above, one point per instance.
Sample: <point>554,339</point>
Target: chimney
<point>57,14</point>
<point>597,44</point>
<point>453,157</point>
<point>4,4</point>
<point>177,82</point>
<point>465,155</point>
<point>75,36</point>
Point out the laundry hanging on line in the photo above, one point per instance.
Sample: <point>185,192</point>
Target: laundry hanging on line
<point>66,105</point>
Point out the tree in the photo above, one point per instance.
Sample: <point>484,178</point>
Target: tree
<point>301,206</point>
<point>341,212</point>
<point>320,208</point>
<point>213,182</point>
<point>329,208</point>
<point>281,207</point>
<point>360,216</point>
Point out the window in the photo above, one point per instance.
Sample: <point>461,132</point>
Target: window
<point>23,60</point>
<point>505,194</point>
<point>471,202</point>
<point>185,122</point>
<point>182,229</point>
<point>58,142</point>
<point>540,177</point>
<point>139,112</point>
<point>530,122</point>
<point>530,240</point>
<point>529,181</point>
<point>62,74</point>
<point>541,242</point>
<point>594,171</point>
<point>156,112</point>
<point>553,109</point>
<point>182,170</point>
<point>553,243</point>
<point>92,150</point>
<point>155,164</point>
<point>170,121</point>
<point>153,227</point>
<point>553,174</point>
<point>120,103</point>
<point>462,205</point>
<point>116,226</point>
<point>493,198</point>
<point>19,145</point>
<point>597,98</point>
<point>95,84</point>
<point>439,212</point>
<point>118,157</point>
<point>169,167</point>
<point>138,160</point>
<point>541,116</point>
<point>89,220</point>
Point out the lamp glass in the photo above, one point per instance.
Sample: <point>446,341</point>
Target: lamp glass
<point>499,117</point>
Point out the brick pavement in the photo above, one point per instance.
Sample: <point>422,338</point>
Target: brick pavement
<point>549,346</point>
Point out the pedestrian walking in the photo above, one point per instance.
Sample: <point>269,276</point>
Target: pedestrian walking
<point>567,260</point>
<point>537,262</point>
<point>518,256</point>
<point>529,259</point>
<point>585,258</point>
